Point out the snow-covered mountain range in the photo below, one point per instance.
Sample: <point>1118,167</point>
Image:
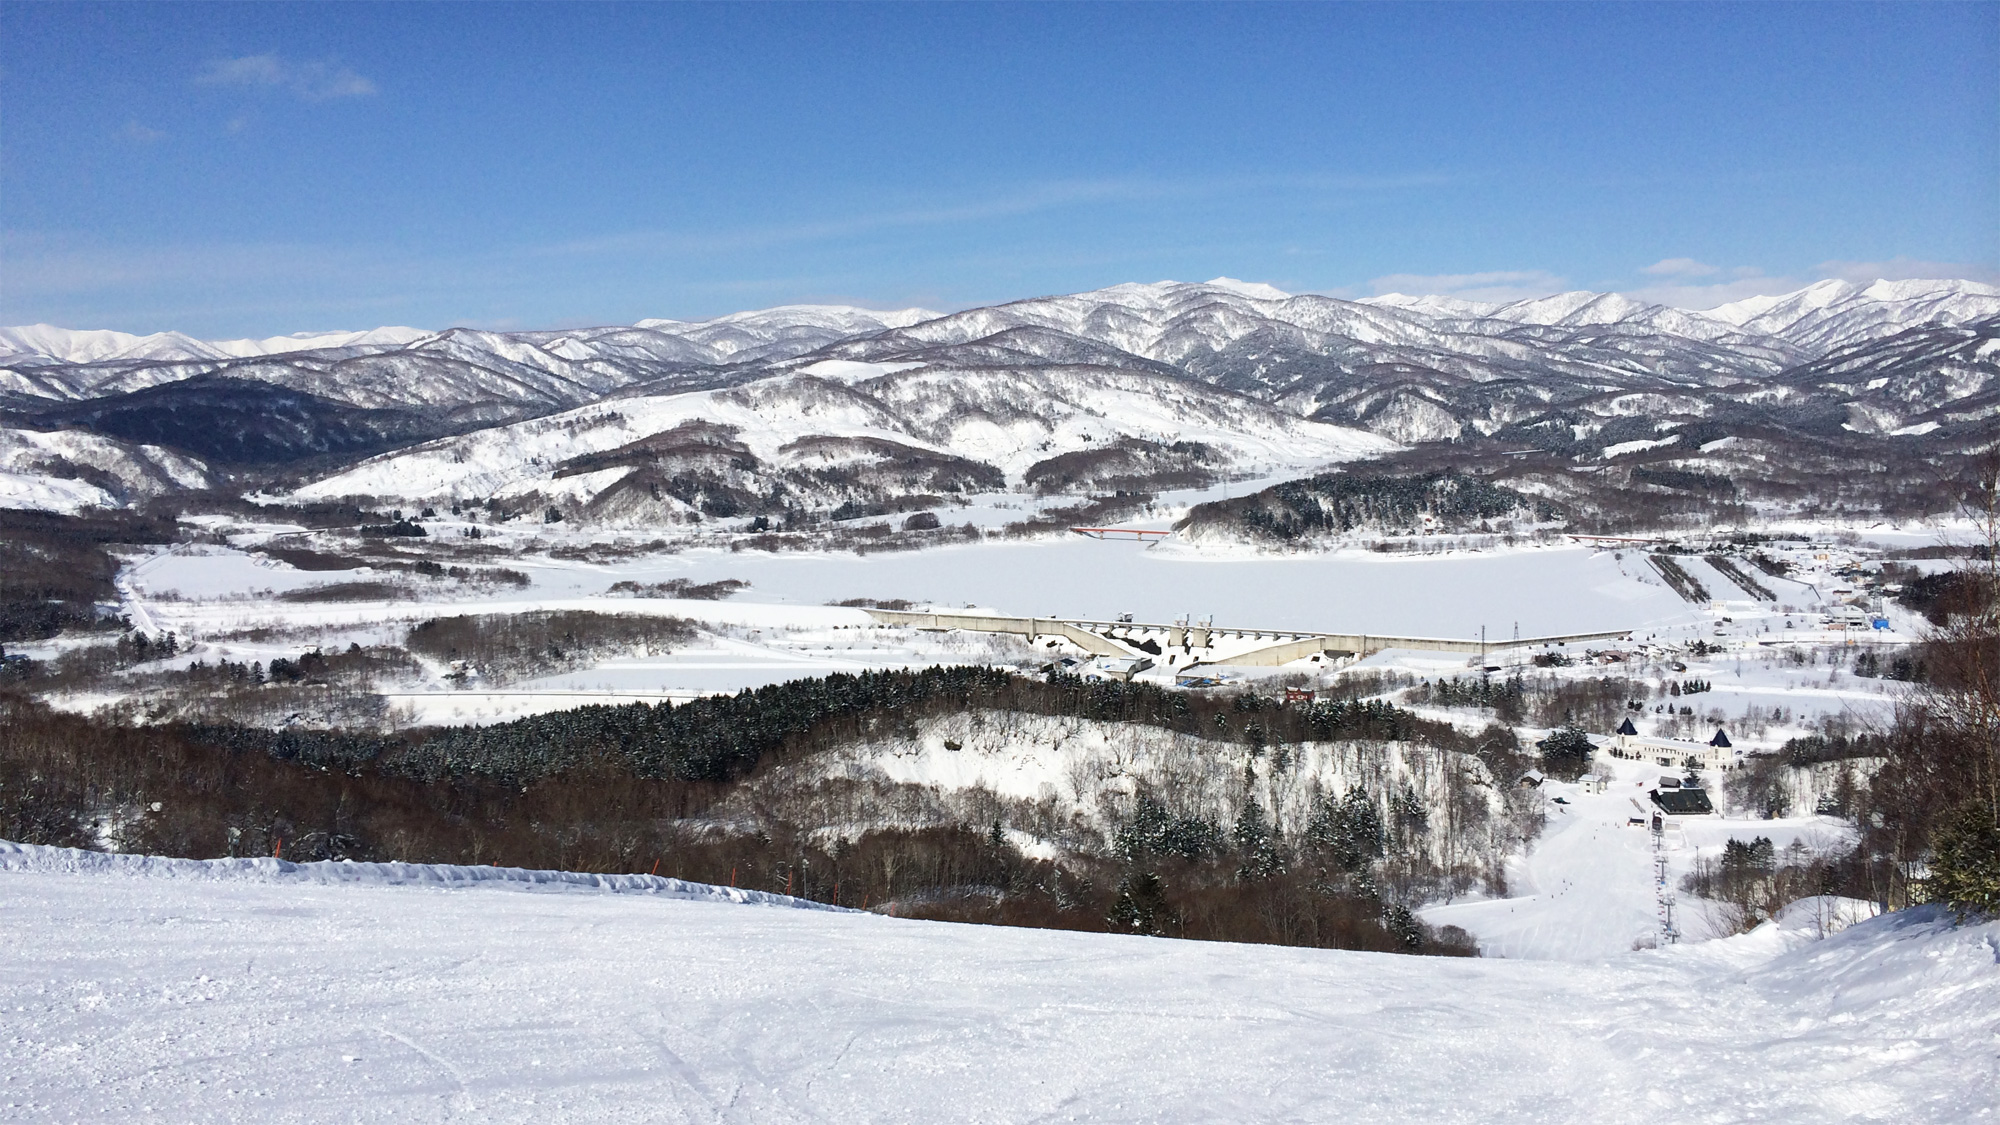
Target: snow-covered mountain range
<point>839,431</point>
<point>1253,375</point>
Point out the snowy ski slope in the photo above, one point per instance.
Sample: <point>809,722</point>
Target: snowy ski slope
<point>1585,889</point>
<point>142,990</point>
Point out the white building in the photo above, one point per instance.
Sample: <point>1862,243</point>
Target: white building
<point>1672,752</point>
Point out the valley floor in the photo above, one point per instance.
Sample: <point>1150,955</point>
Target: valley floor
<point>225,603</point>
<point>254,991</point>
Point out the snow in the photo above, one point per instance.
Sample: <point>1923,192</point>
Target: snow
<point>1255,290</point>
<point>841,315</point>
<point>852,371</point>
<point>149,990</point>
<point>1577,307</point>
<point>204,571</point>
<point>785,626</point>
<point>1546,591</point>
<point>1584,891</point>
<point>1082,774</point>
<point>214,598</point>
<point>954,413</point>
<point>1819,295</point>
<point>1433,304</point>
<point>35,858</point>
<point>1624,447</point>
<point>39,469</point>
<point>96,345</point>
<point>43,493</point>
<point>1830,314</point>
<point>782,626</point>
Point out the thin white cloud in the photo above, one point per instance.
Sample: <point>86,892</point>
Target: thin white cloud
<point>140,134</point>
<point>1495,286</point>
<point>311,81</point>
<point>1679,267</point>
<point>250,70</point>
<point>1026,199</point>
<point>1682,292</point>
<point>1908,269</point>
<point>1682,283</point>
<point>1689,295</point>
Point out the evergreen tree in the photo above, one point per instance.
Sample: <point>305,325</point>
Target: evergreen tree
<point>1408,931</point>
<point>1756,858</point>
<point>1408,816</point>
<point>1566,753</point>
<point>1348,831</point>
<point>1141,904</point>
<point>1965,862</point>
<point>1256,844</point>
<point>1155,831</point>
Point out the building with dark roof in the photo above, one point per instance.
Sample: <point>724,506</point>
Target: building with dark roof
<point>1686,801</point>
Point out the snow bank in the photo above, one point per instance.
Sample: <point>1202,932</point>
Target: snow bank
<point>853,371</point>
<point>1824,915</point>
<point>444,876</point>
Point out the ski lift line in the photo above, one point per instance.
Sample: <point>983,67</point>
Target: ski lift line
<point>1663,892</point>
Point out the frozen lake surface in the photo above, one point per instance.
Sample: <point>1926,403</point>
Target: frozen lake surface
<point>1557,590</point>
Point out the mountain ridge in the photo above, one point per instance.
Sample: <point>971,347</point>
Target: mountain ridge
<point>1770,314</point>
<point>991,389</point>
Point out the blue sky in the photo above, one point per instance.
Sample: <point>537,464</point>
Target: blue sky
<point>251,169</point>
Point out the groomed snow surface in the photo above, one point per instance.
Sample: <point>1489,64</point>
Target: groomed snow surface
<point>141,989</point>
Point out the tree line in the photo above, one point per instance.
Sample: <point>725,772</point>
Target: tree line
<point>626,789</point>
<point>1339,502</point>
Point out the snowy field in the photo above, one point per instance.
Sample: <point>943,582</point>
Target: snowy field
<point>253,991</point>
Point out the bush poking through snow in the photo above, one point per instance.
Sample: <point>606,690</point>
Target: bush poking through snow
<point>686,589</point>
<point>1965,862</point>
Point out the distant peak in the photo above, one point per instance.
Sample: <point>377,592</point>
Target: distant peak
<point>1253,289</point>
<point>1431,303</point>
<point>850,314</point>
<point>1883,290</point>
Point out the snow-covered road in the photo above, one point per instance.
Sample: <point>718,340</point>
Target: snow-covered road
<point>176,996</point>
